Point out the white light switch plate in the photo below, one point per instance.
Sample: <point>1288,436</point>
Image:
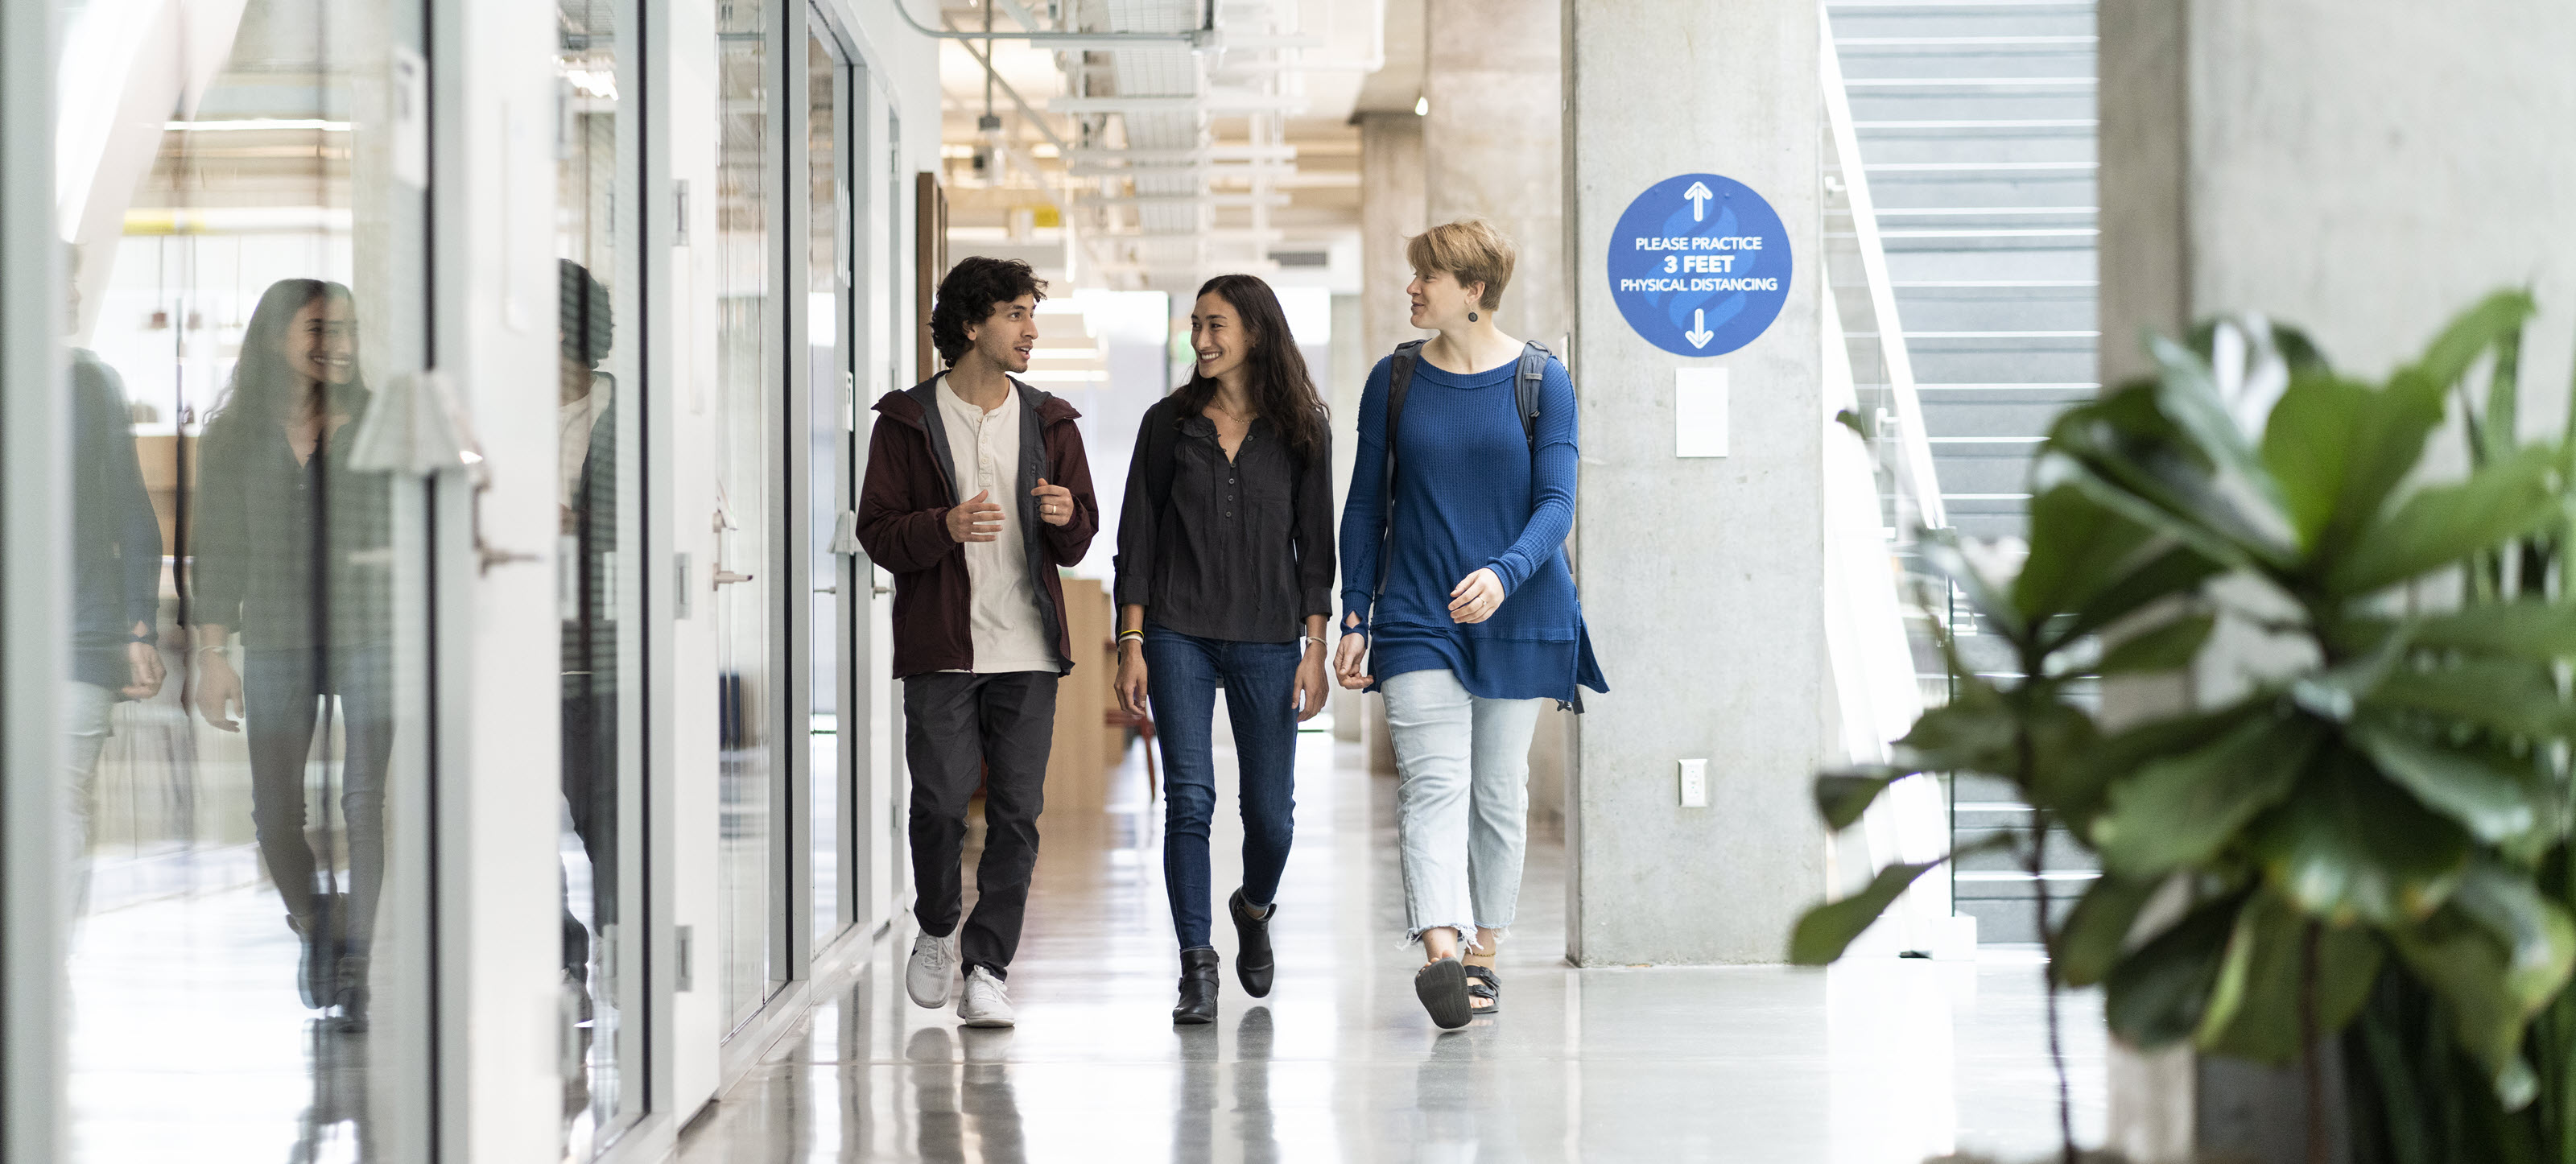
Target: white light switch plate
<point>1694,784</point>
<point>1699,412</point>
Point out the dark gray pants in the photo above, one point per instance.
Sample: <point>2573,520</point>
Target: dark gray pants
<point>961,731</point>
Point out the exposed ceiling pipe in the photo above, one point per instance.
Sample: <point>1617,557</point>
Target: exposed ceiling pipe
<point>1202,39</point>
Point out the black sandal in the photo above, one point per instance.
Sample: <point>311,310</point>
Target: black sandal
<point>1442,987</point>
<point>1487,985</point>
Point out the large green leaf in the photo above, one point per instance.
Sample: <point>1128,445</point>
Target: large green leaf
<point>2492,431</point>
<point>1827,930</point>
<point>2536,931</point>
<point>1974,732</point>
<point>2172,571</point>
<point>2097,929</point>
<point>2114,757</point>
<point>2165,648</point>
<point>2156,995</point>
<point>2442,525</point>
<point>2509,696</point>
<point>1841,797</point>
<point>2526,630</point>
<point>2063,740</point>
<point>2162,489</point>
<point>2183,809</point>
<point>2348,845</point>
<point>2338,448</point>
<point>2132,459</point>
<point>2187,394</point>
<point>2496,319</point>
<point>2077,547</point>
<point>2254,1007</point>
<point>2472,970</point>
<point>2496,804</point>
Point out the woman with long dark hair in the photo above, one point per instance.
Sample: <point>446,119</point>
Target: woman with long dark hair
<point>1225,575</point>
<point>283,530</point>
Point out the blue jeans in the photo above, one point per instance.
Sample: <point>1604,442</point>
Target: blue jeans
<point>1181,677</point>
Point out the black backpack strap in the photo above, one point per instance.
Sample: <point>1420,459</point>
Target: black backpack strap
<point>1525,388</point>
<point>1399,378</point>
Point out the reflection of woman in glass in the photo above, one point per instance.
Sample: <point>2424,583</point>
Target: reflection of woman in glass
<point>289,552</point>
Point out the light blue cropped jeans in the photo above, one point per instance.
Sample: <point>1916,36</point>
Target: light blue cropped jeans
<point>1462,801</point>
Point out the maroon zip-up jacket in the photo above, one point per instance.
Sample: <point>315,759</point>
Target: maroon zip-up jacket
<point>903,522</point>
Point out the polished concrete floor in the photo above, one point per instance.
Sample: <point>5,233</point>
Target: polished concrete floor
<point>1876,1062</point>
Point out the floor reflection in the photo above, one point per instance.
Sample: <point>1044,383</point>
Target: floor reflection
<point>191,1044</point>
<point>1883,1062</point>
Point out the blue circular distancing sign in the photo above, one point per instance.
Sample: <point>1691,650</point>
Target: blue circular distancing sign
<point>1699,264</point>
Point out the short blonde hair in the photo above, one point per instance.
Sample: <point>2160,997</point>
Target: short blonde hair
<point>1471,250</point>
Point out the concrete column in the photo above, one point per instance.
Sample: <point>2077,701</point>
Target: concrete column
<point>1393,207</point>
<point>1492,144</point>
<point>1710,629</point>
<point>1345,375</point>
<point>2364,169</point>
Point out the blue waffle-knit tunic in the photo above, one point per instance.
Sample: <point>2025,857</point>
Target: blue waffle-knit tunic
<point>1470,493</point>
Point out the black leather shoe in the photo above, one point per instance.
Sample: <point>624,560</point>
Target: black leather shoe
<point>1252,960</point>
<point>1198,988</point>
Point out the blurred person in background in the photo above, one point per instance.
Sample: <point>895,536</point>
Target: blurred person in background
<point>290,552</point>
<point>116,590</point>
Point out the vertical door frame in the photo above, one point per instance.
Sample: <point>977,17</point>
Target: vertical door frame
<point>792,714</point>
<point>33,1024</point>
<point>495,726</point>
<point>659,228</point>
<point>849,106</point>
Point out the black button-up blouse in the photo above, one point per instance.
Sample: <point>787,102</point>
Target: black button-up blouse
<point>1241,550</point>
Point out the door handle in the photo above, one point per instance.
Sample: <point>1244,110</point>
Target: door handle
<point>724,577</point>
<point>827,590</point>
<point>881,590</point>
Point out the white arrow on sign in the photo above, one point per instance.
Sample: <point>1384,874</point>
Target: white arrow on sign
<point>1698,195</point>
<point>1699,334</point>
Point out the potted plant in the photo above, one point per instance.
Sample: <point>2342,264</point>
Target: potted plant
<point>2377,811</point>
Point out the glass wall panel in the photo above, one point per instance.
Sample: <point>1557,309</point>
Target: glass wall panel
<point>827,467</point>
<point>600,489</point>
<point>244,704</point>
<point>748,426</point>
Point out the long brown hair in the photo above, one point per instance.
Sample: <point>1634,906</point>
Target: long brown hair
<point>1280,388</point>
<point>263,388</point>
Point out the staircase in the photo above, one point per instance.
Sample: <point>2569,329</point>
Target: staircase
<point>1976,129</point>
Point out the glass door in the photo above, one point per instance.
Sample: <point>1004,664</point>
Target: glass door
<point>748,578</point>
<point>829,491</point>
<point>599,500</point>
<point>244,708</point>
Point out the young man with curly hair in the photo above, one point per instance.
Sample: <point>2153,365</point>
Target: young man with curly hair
<point>977,490</point>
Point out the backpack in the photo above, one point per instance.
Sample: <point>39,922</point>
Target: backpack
<point>1525,389</point>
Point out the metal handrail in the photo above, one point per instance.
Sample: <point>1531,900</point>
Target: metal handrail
<point>1913,440</point>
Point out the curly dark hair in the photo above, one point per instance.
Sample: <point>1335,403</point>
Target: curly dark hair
<point>967,296</point>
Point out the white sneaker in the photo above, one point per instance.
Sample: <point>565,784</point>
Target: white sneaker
<point>986,1003</point>
<point>931,971</point>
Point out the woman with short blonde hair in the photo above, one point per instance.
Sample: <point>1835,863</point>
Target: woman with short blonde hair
<point>1457,600</point>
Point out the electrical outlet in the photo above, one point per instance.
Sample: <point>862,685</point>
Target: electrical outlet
<point>1694,784</point>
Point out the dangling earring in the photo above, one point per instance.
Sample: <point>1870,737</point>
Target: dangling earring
<point>1471,317</point>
